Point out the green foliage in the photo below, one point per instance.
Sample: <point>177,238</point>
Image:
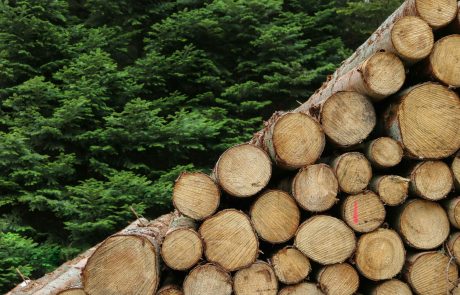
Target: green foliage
<point>103,103</point>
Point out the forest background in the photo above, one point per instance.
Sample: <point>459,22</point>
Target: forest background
<point>104,102</point>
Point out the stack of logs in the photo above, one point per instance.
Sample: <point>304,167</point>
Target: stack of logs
<point>352,192</point>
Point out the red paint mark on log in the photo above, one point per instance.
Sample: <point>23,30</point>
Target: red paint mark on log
<point>355,212</point>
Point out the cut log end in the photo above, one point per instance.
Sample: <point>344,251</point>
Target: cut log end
<point>384,152</point>
<point>431,180</point>
<point>384,74</point>
<point>445,60</point>
<point>453,244</point>
<point>302,289</point>
<point>290,265</point>
<point>229,239</point>
<point>353,172</point>
<point>182,249</point>
<point>392,189</point>
<point>392,287</point>
<point>347,118</point>
<point>363,212</point>
<point>426,121</point>
<point>315,188</point>
<point>298,140</point>
<point>423,224</point>
<point>275,216</point>
<point>338,279</point>
<point>437,13</point>
<point>431,273</point>
<point>170,290</point>
<point>120,262</point>
<point>325,239</point>
<point>238,178</point>
<point>72,291</point>
<point>412,38</point>
<point>456,170</point>
<point>259,278</point>
<point>453,211</point>
<point>380,255</point>
<point>196,195</point>
<point>208,279</point>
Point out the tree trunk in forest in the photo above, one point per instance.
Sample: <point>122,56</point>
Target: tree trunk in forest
<point>392,189</point>
<point>290,265</point>
<point>182,247</point>
<point>259,278</point>
<point>208,279</point>
<point>353,172</point>
<point>425,121</point>
<point>363,212</point>
<point>431,180</point>
<point>338,279</point>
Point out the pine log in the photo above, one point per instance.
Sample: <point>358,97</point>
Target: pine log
<point>243,170</point>
<point>392,189</point>
<point>315,188</point>
<point>380,255</point>
<point>208,279</point>
<point>275,216</point>
<point>292,140</point>
<point>423,224</point>
<point>182,247</point>
<point>196,195</point>
<point>347,117</point>
<point>125,258</point>
<point>338,279</point>
<point>301,289</point>
<point>290,265</point>
<point>431,180</point>
<point>363,212</point>
<point>73,291</point>
<point>425,121</point>
<point>170,290</point>
<point>325,239</point>
<point>431,273</point>
<point>453,211</point>
<point>353,172</point>
<point>453,245</point>
<point>384,152</point>
<point>230,240</point>
<point>456,170</point>
<point>259,278</point>
<point>443,64</point>
<point>392,287</point>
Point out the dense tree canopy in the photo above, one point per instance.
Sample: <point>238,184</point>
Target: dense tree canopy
<point>103,103</point>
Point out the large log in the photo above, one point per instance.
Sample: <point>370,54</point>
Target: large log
<point>363,212</point>
<point>259,278</point>
<point>275,216</point>
<point>208,279</point>
<point>325,239</point>
<point>431,180</point>
<point>292,140</point>
<point>425,121</point>
<point>238,178</point>
<point>290,265</point>
<point>338,279</point>
<point>196,195</point>
<point>230,240</point>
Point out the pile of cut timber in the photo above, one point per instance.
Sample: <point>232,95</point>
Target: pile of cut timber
<point>352,192</point>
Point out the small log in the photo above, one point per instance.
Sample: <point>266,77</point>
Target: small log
<point>453,244</point>
<point>196,195</point>
<point>456,170</point>
<point>229,240</point>
<point>431,180</point>
<point>363,212</point>
<point>259,278</point>
<point>275,216</point>
<point>182,247</point>
<point>170,290</point>
<point>353,172</point>
<point>380,255</point>
<point>208,279</point>
<point>301,289</point>
<point>338,279</point>
<point>425,121</point>
<point>443,63</point>
<point>392,189</point>
<point>423,224</point>
<point>392,287</point>
<point>290,265</point>
<point>293,140</point>
<point>73,291</point>
<point>325,239</point>
<point>243,170</point>
<point>315,188</point>
<point>431,273</point>
<point>453,211</point>
<point>384,152</point>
